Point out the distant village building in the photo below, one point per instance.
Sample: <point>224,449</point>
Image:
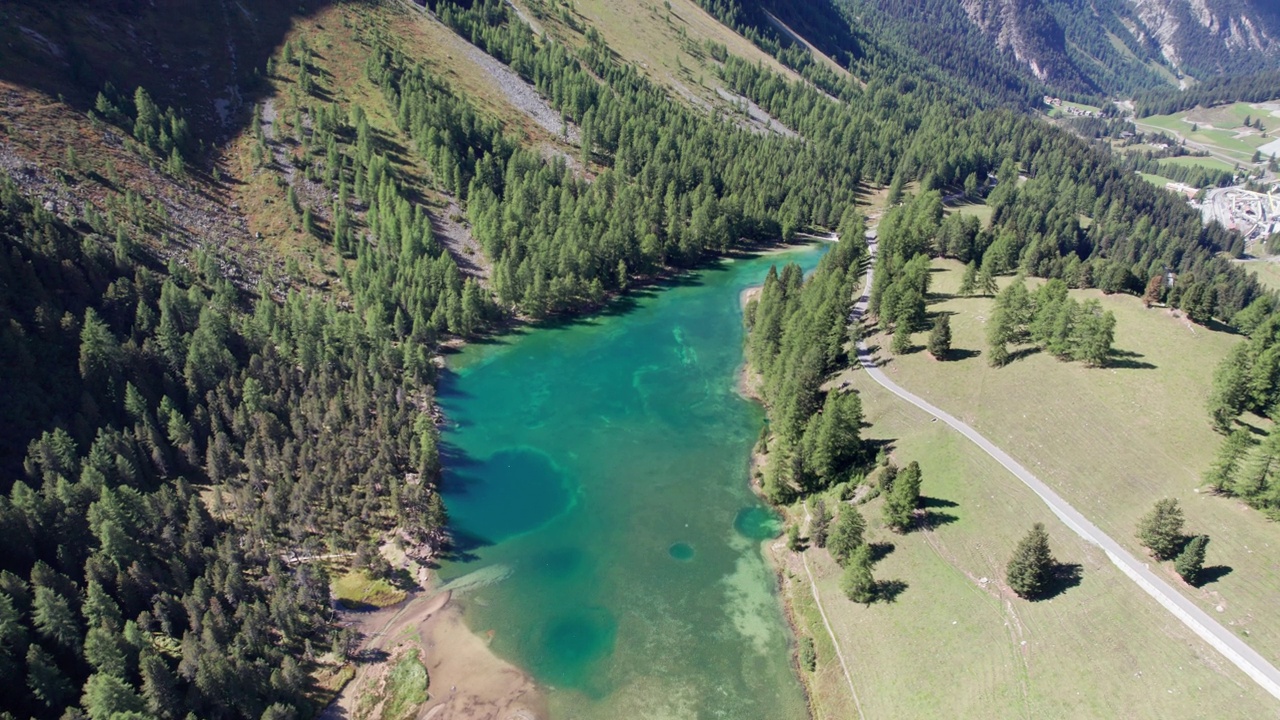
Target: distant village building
<point>1070,109</point>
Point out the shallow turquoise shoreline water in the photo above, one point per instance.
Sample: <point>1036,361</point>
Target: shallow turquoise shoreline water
<point>596,476</point>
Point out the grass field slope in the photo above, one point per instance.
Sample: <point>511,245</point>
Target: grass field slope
<point>1114,440</point>
<point>1098,648</point>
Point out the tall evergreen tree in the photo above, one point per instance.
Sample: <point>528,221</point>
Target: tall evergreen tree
<point>1031,566</point>
<point>857,582</point>
<point>1191,560</point>
<point>940,337</point>
<point>901,339</point>
<point>903,498</point>
<point>846,537</point>
<point>1160,530</point>
<point>1226,465</point>
<point>820,523</point>
<point>969,281</point>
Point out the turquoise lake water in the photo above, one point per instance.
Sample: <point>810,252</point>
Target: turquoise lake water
<point>596,476</point>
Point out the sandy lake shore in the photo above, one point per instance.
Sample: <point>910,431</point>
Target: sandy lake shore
<point>467,680</point>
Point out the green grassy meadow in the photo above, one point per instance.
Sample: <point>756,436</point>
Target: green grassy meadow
<point>1212,163</point>
<point>1158,180</point>
<point>1114,440</point>
<point>1219,129</point>
<point>982,211</point>
<point>357,590</point>
<point>1268,273</point>
<point>1098,649</point>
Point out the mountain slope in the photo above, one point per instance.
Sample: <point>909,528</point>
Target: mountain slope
<point>1082,46</point>
<point>220,320</point>
<point>1207,37</point>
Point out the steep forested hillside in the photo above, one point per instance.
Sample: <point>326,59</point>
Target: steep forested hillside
<point>1073,47</point>
<point>1210,37</point>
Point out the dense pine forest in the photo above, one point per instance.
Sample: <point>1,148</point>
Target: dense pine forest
<point>176,447</point>
<point>172,446</point>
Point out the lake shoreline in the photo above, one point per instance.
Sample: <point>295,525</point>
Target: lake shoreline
<point>483,617</point>
<point>747,384</point>
<point>465,675</point>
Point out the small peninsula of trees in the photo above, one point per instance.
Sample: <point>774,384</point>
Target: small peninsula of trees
<point>798,330</point>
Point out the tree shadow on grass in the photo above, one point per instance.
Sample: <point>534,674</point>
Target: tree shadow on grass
<point>934,502</point>
<point>1021,353</point>
<point>887,591</point>
<point>1128,360</point>
<point>880,550</point>
<point>932,519</point>
<point>403,580</point>
<point>961,354</point>
<point>1212,574</point>
<point>878,360</point>
<point>1062,578</point>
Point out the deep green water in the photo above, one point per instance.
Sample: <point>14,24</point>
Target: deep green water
<point>597,480</point>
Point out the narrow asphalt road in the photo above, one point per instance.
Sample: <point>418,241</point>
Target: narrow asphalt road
<point>1221,638</point>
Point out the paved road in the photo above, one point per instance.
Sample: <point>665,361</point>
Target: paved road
<point>1221,638</point>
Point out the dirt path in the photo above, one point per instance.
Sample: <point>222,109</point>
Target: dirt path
<point>1211,631</point>
<point>813,585</point>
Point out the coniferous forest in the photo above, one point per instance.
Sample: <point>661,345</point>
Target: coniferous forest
<point>178,445</point>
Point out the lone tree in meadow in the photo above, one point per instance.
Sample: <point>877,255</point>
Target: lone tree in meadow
<point>940,338</point>
<point>846,537</point>
<point>1190,561</point>
<point>857,583</point>
<point>1161,529</point>
<point>903,497</point>
<point>1032,564</point>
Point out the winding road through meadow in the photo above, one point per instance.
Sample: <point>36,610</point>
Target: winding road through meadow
<point>1210,630</point>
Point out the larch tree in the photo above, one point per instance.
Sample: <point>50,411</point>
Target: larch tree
<point>999,334</point>
<point>987,281</point>
<point>847,536</point>
<point>901,339</point>
<point>940,338</point>
<point>1029,569</point>
<point>1221,475</point>
<point>1160,530</point>
<point>1190,561</point>
<point>1155,286</point>
<point>903,497</point>
<point>819,525</point>
<point>857,582</point>
<point>969,281</point>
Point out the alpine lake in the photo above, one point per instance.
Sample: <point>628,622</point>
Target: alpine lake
<point>597,483</point>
